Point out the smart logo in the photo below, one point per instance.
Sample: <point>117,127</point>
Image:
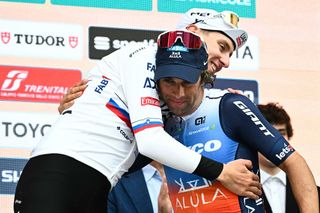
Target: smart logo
<point>10,171</point>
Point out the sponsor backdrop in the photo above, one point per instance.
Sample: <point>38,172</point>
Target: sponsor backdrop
<point>48,45</point>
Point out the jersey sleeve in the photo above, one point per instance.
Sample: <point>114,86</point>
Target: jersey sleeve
<point>242,121</point>
<point>138,66</point>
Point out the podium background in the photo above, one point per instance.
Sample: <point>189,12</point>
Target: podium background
<point>282,56</point>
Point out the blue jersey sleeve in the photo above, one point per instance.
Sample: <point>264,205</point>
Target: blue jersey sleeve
<point>242,121</point>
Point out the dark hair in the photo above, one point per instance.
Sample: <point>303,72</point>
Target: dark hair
<point>275,114</point>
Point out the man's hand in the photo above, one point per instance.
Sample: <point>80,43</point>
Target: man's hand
<point>237,177</point>
<point>164,203</point>
<point>73,93</point>
<point>234,91</point>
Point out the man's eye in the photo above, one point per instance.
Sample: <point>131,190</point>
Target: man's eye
<point>222,46</point>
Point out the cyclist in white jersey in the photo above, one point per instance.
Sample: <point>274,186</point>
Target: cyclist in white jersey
<point>95,141</point>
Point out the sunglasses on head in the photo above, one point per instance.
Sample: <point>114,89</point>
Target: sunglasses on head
<point>188,39</point>
<point>230,18</point>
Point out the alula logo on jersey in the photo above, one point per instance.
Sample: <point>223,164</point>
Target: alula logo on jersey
<point>41,39</point>
<point>244,8</point>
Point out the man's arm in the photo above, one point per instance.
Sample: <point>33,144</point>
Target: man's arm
<point>235,175</point>
<point>302,182</point>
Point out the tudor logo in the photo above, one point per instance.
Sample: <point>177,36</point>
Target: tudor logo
<point>5,37</point>
<point>57,41</point>
<point>73,41</point>
<point>41,39</point>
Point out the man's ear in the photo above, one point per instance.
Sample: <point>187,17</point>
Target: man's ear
<point>193,28</point>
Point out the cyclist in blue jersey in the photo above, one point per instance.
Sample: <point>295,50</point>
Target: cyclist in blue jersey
<point>221,127</point>
<point>118,115</point>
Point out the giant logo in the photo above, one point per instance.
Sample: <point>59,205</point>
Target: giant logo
<point>253,118</point>
<point>35,84</point>
<point>103,40</point>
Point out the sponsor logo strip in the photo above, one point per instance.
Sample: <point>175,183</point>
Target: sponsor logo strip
<point>244,8</point>
<point>41,40</point>
<point>104,40</point>
<point>27,1</point>
<point>115,4</point>
<point>248,88</point>
<point>10,171</point>
<point>150,101</point>
<point>24,130</point>
<point>35,84</point>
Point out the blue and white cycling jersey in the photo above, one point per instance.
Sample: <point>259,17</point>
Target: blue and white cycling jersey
<point>223,128</point>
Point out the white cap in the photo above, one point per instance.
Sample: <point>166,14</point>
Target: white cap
<point>208,19</point>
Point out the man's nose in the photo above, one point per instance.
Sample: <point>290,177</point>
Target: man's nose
<point>225,60</point>
<point>179,91</point>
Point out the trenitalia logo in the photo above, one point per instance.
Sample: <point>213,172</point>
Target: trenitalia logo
<point>39,39</point>
<point>35,84</point>
<point>103,40</point>
<point>13,81</point>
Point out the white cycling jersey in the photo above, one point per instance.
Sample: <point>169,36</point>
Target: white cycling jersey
<point>118,112</point>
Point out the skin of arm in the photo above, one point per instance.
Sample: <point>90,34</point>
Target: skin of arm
<point>302,183</point>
